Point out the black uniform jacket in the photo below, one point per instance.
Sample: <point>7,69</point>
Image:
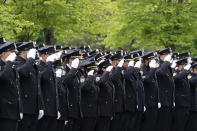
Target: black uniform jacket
<point>89,97</point>
<point>29,86</point>
<point>165,84</point>
<point>150,86</point>
<point>130,90</point>
<point>193,93</point>
<point>72,83</point>
<point>10,100</point>
<point>182,89</point>
<point>117,80</point>
<point>106,96</point>
<point>63,101</point>
<point>49,88</point>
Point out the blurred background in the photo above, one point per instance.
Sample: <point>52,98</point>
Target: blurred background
<point>104,24</point>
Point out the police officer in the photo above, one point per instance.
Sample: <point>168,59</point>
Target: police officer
<point>29,87</point>
<point>49,89</point>
<point>166,90</point>
<point>130,103</point>
<point>191,124</point>
<point>72,83</point>
<point>117,80</point>
<point>182,95</point>
<point>63,99</point>
<point>89,97</point>
<point>105,97</point>
<point>140,95</point>
<point>10,100</point>
<point>151,91</point>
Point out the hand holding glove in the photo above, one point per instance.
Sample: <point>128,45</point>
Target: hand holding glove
<point>91,72</point>
<point>11,57</point>
<point>159,105</point>
<point>58,55</point>
<point>138,64</point>
<point>58,115</point>
<point>21,116</point>
<point>51,58</point>
<point>168,58</point>
<point>187,67</point>
<point>75,63</point>
<point>58,73</point>
<point>120,64</point>
<point>131,63</point>
<point>174,64</point>
<point>153,64</point>
<point>31,54</point>
<point>109,68</point>
<point>41,114</point>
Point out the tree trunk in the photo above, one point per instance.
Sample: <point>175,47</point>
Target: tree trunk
<point>49,38</point>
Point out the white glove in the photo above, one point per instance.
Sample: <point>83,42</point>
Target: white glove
<point>21,116</point>
<point>58,55</point>
<point>58,115</point>
<point>131,63</point>
<point>51,58</point>
<point>75,63</point>
<point>58,73</point>
<point>168,58</point>
<point>11,57</point>
<point>109,68</point>
<point>120,64</point>
<point>144,108</point>
<point>189,60</point>
<point>187,67</point>
<point>159,105</point>
<point>138,64</point>
<point>31,54</point>
<point>153,64</point>
<point>41,114</point>
<point>174,64</point>
<point>90,73</point>
<point>66,122</point>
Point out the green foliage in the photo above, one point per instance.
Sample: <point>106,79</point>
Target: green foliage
<point>130,24</point>
<point>155,24</point>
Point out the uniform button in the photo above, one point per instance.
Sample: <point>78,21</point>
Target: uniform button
<point>116,100</point>
<point>47,99</point>
<point>26,95</point>
<point>9,102</point>
<point>106,102</point>
<point>151,97</point>
<point>30,73</point>
<point>90,105</point>
<point>71,105</point>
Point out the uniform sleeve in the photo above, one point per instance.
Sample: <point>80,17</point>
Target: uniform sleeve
<point>88,83</point>
<point>181,75</point>
<point>163,68</point>
<point>4,74</point>
<point>23,70</point>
